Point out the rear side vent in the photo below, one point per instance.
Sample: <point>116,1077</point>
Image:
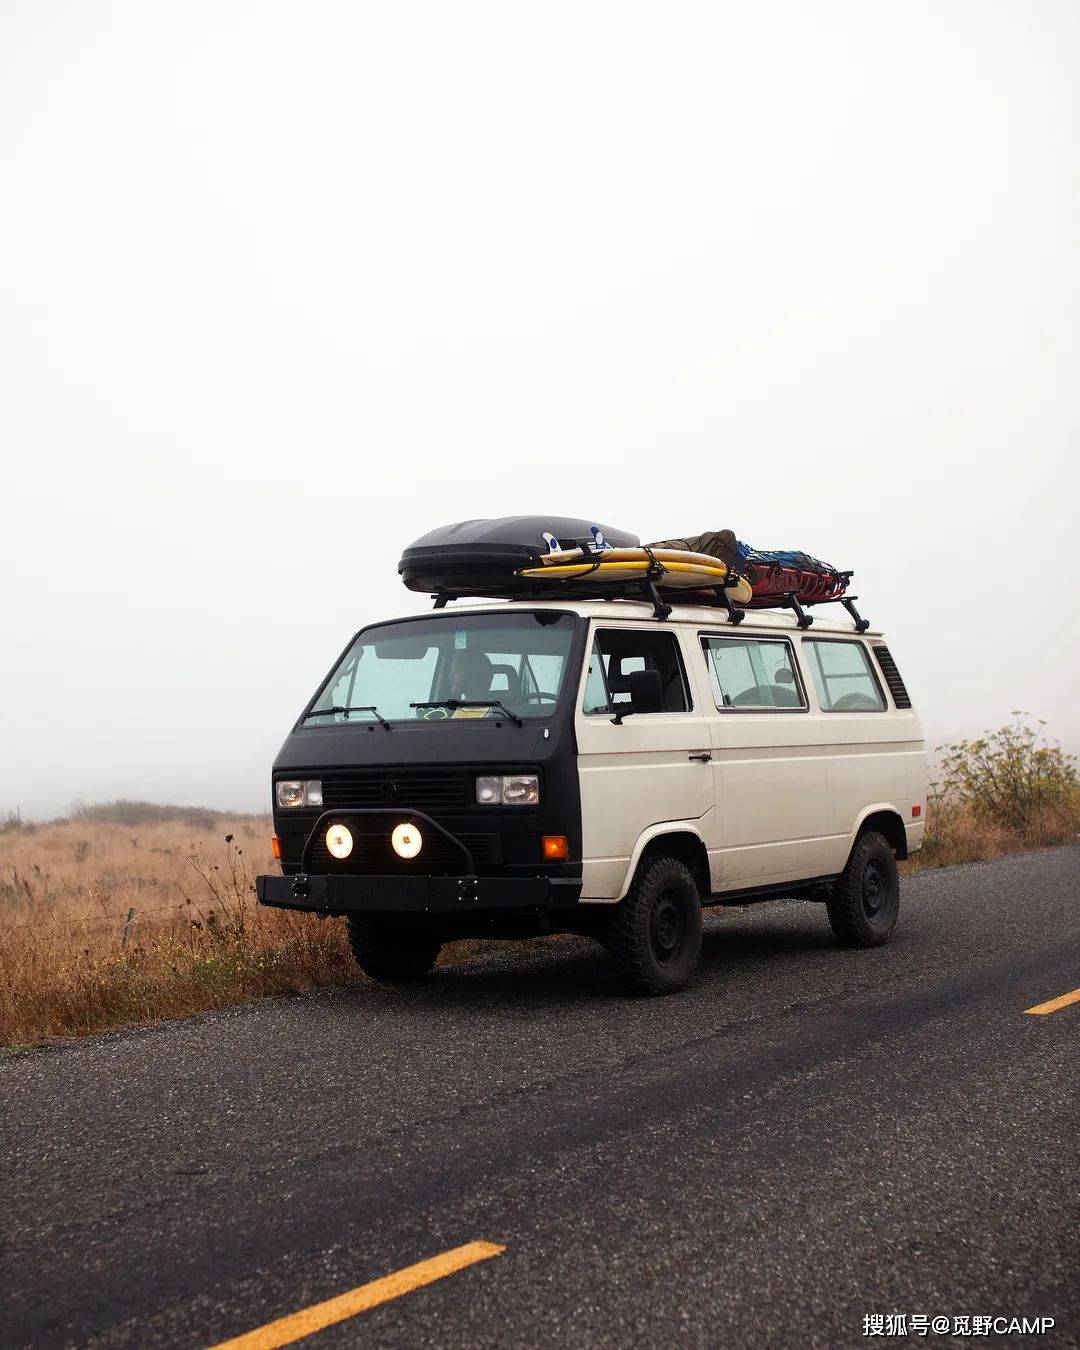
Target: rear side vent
<point>892,677</point>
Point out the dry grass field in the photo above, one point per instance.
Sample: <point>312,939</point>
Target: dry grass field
<point>130,913</point>
<point>117,917</point>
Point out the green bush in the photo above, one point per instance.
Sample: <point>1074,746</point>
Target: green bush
<point>1010,776</point>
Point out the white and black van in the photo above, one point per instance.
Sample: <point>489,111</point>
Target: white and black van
<point>598,766</point>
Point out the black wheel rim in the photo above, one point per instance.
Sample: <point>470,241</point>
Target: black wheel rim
<point>667,927</point>
<point>877,898</point>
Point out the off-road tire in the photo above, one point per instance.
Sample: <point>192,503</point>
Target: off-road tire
<point>865,902</point>
<point>654,934</point>
<point>385,950</point>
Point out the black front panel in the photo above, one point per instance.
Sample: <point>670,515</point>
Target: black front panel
<point>430,790</point>
<point>432,767</point>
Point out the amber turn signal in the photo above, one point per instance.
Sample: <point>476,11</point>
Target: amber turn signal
<point>275,847</point>
<point>554,846</point>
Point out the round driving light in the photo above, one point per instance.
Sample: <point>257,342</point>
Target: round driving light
<point>407,841</point>
<point>339,841</point>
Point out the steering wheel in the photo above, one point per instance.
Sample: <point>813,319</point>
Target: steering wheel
<point>535,698</point>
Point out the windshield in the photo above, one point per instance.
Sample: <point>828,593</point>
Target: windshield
<point>452,666</point>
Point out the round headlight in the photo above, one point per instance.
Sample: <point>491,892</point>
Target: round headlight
<point>339,841</point>
<point>407,840</point>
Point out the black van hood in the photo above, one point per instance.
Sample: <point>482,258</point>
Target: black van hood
<point>471,741</point>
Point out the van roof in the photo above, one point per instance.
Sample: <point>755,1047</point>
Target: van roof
<point>709,616</point>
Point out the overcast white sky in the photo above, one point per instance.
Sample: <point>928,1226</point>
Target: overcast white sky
<point>282,287</point>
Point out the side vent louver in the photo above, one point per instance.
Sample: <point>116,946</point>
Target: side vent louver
<point>892,677</point>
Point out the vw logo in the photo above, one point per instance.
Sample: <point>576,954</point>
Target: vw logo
<point>390,791</point>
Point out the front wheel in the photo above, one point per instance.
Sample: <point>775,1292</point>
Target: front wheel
<point>386,950</point>
<point>865,902</point>
<point>654,934</point>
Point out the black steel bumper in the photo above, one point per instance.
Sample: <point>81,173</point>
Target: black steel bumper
<point>320,894</point>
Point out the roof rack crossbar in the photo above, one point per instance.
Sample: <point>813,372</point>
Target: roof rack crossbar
<point>861,624</point>
<point>661,609</point>
<point>848,601</point>
<point>791,601</point>
<point>648,588</point>
<point>735,613</point>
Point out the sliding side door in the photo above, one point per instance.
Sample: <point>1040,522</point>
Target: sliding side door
<point>768,761</point>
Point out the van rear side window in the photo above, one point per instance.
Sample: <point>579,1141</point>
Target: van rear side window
<point>752,673</point>
<point>843,676</point>
<point>893,679</point>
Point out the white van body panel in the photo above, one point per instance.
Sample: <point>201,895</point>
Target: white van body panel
<point>867,772</point>
<point>636,777</point>
<point>770,774</point>
<point>786,791</point>
<point>669,828</point>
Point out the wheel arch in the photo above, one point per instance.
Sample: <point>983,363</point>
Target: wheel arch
<point>675,839</point>
<point>887,821</point>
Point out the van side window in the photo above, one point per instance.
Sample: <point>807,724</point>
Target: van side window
<point>752,673</point>
<point>618,651</point>
<point>843,676</point>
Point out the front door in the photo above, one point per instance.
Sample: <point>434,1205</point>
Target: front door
<point>650,768</point>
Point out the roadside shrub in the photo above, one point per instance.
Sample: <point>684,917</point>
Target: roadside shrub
<point>1012,777</point>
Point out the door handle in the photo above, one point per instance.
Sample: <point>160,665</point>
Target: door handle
<point>702,756</point>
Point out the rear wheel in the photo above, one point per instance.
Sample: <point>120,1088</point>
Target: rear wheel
<point>865,903</point>
<point>654,934</point>
<point>389,951</point>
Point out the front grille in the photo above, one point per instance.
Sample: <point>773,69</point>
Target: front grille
<point>901,697</point>
<point>430,790</point>
<point>373,854</point>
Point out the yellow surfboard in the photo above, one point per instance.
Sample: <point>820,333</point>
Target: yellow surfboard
<point>676,572</point>
<point>664,555</point>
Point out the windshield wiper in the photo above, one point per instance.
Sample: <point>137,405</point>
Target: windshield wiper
<point>454,703</point>
<point>327,712</point>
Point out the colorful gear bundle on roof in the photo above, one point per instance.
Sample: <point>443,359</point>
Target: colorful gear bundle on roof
<point>772,574</point>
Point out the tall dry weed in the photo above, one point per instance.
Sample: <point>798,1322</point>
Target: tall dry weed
<point>105,924</point>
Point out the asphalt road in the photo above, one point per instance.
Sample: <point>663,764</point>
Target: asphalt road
<point>807,1137</point>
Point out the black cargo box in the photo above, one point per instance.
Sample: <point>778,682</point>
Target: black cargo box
<point>480,557</point>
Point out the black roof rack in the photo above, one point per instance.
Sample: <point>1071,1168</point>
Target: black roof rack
<point>650,588</point>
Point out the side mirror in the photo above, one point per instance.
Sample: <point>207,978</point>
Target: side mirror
<point>646,695</point>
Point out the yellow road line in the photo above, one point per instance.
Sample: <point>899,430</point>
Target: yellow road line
<point>1041,1009</point>
<point>308,1320</point>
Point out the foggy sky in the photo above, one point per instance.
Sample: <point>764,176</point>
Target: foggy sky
<point>282,287</point>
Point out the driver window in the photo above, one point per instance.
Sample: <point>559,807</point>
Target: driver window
<point>596,694</point>
<point>617,652</point>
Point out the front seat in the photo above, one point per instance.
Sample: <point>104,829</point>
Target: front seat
<point>513,683</point>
